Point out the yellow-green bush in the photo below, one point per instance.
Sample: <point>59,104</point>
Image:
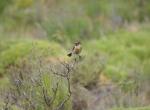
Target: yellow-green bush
<point>50,81</point>
<point>124,51</point>
<point>24,3</point>
<point>136,108</point>
<point>12,52</point>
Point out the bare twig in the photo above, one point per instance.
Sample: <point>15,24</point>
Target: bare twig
<point>47,98</point>
<point>7,101</point>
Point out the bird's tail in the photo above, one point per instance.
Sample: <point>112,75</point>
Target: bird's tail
<point>69,54</point>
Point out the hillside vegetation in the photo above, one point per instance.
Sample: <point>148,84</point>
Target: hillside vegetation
<point>111,73</point>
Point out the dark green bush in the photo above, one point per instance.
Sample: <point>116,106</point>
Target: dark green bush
<point>4,4</point>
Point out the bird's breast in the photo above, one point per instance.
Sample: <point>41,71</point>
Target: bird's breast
<point>77,49</point>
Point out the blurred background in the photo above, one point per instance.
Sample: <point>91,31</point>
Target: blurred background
<point>115,35</point>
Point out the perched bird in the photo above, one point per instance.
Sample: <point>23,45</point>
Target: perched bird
<point>76,49</point>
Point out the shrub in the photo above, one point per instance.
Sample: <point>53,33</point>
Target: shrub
<point>88,71</point>
<point>126,55</point>
<point>13,52</point>
<point>68,29</point>
<point>38,86</point>
<point>4,4</point>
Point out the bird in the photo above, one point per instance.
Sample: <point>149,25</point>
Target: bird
<point>76,50</point>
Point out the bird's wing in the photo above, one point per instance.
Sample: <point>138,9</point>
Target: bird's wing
<point>73,48</point>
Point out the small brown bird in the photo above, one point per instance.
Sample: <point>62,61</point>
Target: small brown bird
<point>76,49</point>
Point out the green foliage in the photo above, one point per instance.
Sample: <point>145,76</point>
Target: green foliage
<point>4,4</point>
<point>68,29</point>
<point>12,52</point>
<point>122,56</point>
<point>37,88</point>
<point>22,4</point>
<point>49,81</point>
<point>71,20</point>
<point>137,108</point>
<point>124,51</point>
<point>88,71</point>
<point>146,69</point>
<point>92,7</point>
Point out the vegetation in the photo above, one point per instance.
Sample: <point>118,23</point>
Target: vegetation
<point>14,51</point>
<point>36,74</point>
<point>140,108</point>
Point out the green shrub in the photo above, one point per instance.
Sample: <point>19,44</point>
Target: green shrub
<point>13,52</point>
<point>4,4</point>
<point>88,71</point>
<point>69,29</point>
<point>137,108</point>
<point>124,51</point>
<point>50,81</point>
<point>35,86</point>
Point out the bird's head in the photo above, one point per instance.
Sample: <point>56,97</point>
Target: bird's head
<point>77,43</point>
